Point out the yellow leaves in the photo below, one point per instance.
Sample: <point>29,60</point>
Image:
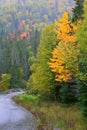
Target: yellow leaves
<point>65,29</point>
<point>64,52</point>
<point>57,65</point>
<point>63,77</point>
<point>64,18</point>
<point>5,82</point>
<point>74,27</point>
<point>3,75</point>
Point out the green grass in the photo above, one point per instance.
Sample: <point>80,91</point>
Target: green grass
<point>29,98</point>
<point>50,114</point>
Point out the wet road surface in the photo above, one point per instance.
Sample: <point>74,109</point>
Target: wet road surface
<point>13,117</point>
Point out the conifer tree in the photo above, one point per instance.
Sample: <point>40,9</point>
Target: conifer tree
<point>82,40</point>
<point>78,10</point>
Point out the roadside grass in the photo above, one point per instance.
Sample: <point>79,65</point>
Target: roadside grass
<point>51,115</point>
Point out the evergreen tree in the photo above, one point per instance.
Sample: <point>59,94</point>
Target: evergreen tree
<point>78,10</point>
<point>17,74</point>
<point>82,40</point>
<point>35,39</point>
<point>67,94</point>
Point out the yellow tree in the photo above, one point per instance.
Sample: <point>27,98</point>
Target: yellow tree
<point>64,57</point>
<point>5,83</point>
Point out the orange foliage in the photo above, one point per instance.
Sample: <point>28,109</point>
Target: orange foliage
<point>23,35</point>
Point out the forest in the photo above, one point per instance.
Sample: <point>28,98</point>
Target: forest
<point>43,48</point>
<point>21,23</point>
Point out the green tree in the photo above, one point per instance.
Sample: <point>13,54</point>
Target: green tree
<point>78,10</point>
<point>17,75</point>
<point>41,79</point>
<point>67,93</point>
<point>82,40</point>
<point>35,40</point>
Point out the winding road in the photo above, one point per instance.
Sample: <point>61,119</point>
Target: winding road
<point>13,117</point>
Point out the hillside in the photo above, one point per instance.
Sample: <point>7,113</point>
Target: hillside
<point>20,15</point>
<point>21,22</point>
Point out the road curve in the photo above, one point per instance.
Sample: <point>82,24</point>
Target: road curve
<point>13,117</point>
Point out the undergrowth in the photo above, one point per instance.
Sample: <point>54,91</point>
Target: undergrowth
<point>50,115</point>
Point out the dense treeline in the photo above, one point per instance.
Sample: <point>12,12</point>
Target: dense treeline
<point>62,55</point>
<point>21,22</point>
<point>16,52</point>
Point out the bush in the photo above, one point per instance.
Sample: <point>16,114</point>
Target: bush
<point>67,94</point>
<point>82,96</point>
<point>30,98</point>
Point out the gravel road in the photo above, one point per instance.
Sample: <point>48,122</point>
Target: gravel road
<point>13,117</point>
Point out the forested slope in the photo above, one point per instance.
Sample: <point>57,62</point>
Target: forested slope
<point>25,14</point>
<point>21,22</point>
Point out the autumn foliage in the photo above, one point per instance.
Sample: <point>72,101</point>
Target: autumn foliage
<point>5,82</point>
<point>65,50</point>
<point>65,29</point>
